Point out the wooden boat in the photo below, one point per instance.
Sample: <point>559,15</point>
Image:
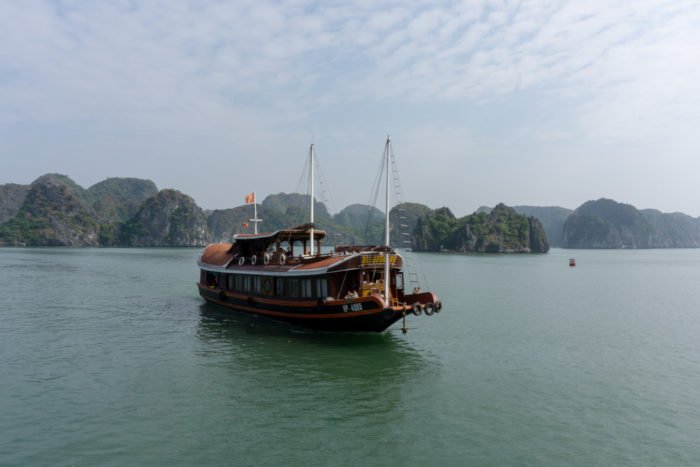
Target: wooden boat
<point>283,275</point>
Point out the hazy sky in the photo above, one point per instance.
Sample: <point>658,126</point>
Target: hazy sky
<point>524,102</point>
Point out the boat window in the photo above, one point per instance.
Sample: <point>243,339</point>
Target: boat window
<point>293,287</point>
<point>279,287</point>
<point>306,288</point>
<point>256,284</point>
<point>267,285</point>
<point>246,284</point>
<point>212,279</point>
<point>297,288</point>
<point>399,281</point>
<point>321,288</point>
<point>231,282</point>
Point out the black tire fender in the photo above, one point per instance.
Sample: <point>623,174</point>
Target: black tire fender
<point>417,309</point>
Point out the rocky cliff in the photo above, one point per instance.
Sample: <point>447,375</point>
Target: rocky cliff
<point>605,223</point>
<point>552,219</point>
<point>500,231</point>
<point>278,211</point>
<point>12,197</point>
<point>359,224</point>
<point>223,223</point>
<point>119,199</point>
<point>674,230</point>
<point>55,210</point>
<point>169,218</point>
<point>404,218</point>
<point>368,223</point>
<point>52,214</point>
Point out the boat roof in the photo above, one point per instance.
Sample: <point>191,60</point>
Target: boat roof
<point>219,258</point>
<point>298,233</point>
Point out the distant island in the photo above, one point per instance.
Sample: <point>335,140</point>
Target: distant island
<point>55,211</point>
<point>608,224</point>
<point>502,230</point>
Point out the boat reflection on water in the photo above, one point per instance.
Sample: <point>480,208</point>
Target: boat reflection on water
<point>262,347</point>
<point>281,390</point>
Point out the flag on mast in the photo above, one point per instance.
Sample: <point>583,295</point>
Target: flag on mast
<point>250,199</point>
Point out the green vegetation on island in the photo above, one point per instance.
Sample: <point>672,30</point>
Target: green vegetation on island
<point>169,218</point>
<point>552,219</point>
<point>605,223</point>
<point>501,231</point>
<point>52,214</point>
<point>55,211</point>
<point>118,199</point>
<point>12,197</point>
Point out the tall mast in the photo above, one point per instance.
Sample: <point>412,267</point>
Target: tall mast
<point>311,164</point>
<point>387,277</point>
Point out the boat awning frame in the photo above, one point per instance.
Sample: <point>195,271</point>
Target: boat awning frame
<point>300,233</point>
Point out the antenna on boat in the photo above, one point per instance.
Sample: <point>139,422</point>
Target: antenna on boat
<point>311,164</point>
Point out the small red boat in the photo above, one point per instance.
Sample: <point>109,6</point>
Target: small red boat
<point>572,262</point>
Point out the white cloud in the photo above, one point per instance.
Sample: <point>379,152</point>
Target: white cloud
<point>602,72</point>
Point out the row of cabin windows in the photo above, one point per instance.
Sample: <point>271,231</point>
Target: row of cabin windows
<point>301,288</point>
<point>268,285</point>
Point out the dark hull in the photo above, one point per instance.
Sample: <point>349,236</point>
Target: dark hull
<point>339,316</point>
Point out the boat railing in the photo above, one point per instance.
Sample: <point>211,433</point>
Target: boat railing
<point>362,248</point>
<point>315,257</point>
<point>275,257</point>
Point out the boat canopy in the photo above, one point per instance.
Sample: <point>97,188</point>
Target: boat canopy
<point>262,241</point>
<point>294,234</point>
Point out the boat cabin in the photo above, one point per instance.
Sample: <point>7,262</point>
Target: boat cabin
<point>279,265</point>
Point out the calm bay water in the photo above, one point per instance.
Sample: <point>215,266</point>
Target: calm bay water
<point>109,357</point>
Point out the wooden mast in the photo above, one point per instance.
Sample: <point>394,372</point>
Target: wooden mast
<point>311,163</point>
<point>387,277</point>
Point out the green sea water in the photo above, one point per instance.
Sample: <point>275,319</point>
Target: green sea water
<point>109,357</point>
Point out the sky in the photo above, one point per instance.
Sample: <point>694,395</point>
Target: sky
<point>523,102</point>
